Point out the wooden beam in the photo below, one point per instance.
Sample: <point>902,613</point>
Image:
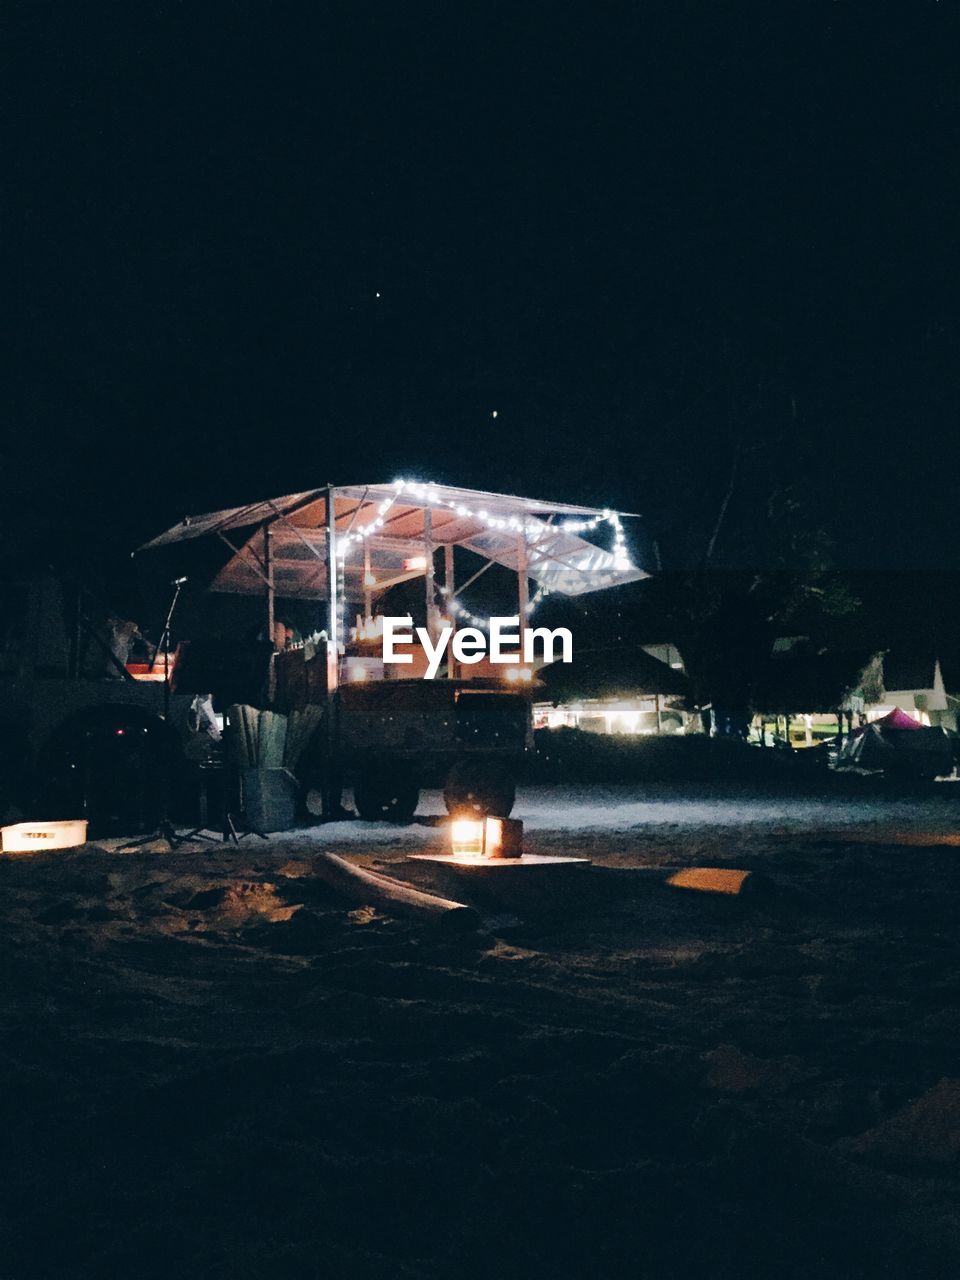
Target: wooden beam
<point>359,884</point>
<point>246,549</point>
<point>483,569</point>
<point>268,567</point>
<point>331,794</point>
<point>384,584</point>
<point>449,588</point>
<point>523,588</point>
<point>433,626</point>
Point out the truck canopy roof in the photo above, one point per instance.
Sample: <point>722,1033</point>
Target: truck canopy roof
<point>383,530</point>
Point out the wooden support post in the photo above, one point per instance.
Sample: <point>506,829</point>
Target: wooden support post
<point>449,587</point>
<point>433,615</point>
<point>331,789</point>
<point>333,598</point>
<point>523,591</point>
<point>268,574</point>
<point>367,589</point>
<point>656,698</point>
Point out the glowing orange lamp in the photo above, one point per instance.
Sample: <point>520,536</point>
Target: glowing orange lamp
<point>475,838</point>
<point>468,837</point>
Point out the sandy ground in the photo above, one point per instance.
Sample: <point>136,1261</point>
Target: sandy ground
<point>213,1066</point>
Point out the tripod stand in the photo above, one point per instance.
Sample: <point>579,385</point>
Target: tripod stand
<point>233,826</point>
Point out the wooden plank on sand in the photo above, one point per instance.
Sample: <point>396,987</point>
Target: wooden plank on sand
<point>373,889</point>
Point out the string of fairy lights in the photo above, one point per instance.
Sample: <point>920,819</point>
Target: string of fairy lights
<point>535,531</point>
<point>457,610</point>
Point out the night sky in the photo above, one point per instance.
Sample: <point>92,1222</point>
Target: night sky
<point>255,248</point>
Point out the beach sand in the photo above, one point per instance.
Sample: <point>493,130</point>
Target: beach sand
<point>214,1066</point>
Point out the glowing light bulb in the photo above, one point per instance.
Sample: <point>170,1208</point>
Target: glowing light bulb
<point>466,838</point>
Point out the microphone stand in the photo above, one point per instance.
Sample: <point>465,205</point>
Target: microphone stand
<point>165,829</point>
<point>164,644</point>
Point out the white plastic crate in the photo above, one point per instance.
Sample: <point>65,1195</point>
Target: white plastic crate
<point>39,837</point>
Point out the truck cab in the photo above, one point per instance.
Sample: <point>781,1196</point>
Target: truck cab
<point>79,736</point>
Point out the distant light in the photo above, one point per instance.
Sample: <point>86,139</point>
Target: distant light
<point>519,673</point>
<point>493,414</point>
<point>377,295</point>
<point>414,562</point>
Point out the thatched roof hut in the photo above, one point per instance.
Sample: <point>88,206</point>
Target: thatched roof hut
<point>611,673</point>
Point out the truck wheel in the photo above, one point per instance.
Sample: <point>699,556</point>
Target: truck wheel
<point>480,786</point>
<point>386,794</point>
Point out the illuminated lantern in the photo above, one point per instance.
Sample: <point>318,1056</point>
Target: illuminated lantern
<point>467,837</point>
<point>474,838</point>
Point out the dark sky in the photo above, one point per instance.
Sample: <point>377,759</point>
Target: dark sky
<point>639,233</point>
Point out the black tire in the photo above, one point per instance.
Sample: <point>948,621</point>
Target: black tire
<point>385,793</point>
<point>480,787</point>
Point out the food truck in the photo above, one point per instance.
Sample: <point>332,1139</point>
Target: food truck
<point>385,732</point>
<point>345,547</point>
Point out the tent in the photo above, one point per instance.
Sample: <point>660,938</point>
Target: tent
<point>898,744</point>
<point>895,720</point>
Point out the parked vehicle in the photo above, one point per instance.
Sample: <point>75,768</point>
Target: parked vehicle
<point>79,736</point>
<point>76,745</point>
<point>398,736</point>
